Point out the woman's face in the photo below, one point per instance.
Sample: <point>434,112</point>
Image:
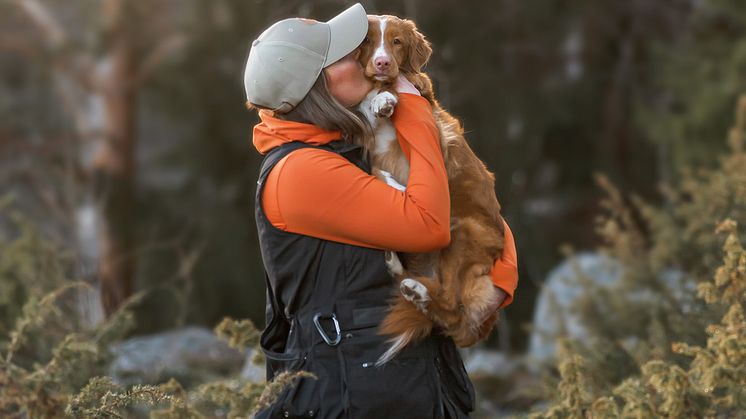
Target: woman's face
<point>346,80</point>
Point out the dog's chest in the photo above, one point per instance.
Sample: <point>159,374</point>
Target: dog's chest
<point>385,135</point>
<point>384,151</point>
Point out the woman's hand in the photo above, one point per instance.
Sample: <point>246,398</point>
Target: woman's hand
<point>403,85</point>
<point>504,269</point>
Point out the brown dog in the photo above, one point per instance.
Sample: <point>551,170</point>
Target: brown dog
<point>451,287</point>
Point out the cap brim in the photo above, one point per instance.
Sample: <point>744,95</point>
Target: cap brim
<point>348,29</point>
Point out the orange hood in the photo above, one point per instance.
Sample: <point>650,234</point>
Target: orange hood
<point>272,132</point>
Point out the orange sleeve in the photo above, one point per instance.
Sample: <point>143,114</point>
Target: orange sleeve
<point>505,270</point>
<point>318,193</point>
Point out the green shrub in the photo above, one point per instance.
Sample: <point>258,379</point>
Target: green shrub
<point>671,355</point>
<point>51,366</point>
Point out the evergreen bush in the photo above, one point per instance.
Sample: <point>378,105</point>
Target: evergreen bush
<point>677,354</point>
<point>51,366</point>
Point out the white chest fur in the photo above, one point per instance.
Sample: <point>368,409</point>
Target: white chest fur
<point>383,129</point>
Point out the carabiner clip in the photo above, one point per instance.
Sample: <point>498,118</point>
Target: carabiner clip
<point>328,341</point>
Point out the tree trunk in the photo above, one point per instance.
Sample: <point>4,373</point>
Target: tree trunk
<point>99,91</point>
<point>114,165</point>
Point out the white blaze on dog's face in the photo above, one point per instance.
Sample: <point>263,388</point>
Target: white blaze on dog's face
<point>392,46</point>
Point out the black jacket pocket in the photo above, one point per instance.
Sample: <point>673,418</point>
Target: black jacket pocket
<point>299,399</point>
<point>402,388</point>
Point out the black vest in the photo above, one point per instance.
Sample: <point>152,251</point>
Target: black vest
<point>324,302</point>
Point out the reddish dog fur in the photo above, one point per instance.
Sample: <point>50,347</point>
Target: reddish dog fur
<point>460,292</point>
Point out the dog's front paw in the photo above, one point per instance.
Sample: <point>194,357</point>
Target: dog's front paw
<point>383,104</point>
<point>416,293</point>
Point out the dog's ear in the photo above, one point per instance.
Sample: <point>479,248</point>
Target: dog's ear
<point>418,49</point>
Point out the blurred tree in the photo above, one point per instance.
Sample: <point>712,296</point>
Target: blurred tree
<point>190,218</point>
<point>100,55</point>
<point>695,80</point>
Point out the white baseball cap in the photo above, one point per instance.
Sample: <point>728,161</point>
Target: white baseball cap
<point>287,58</point>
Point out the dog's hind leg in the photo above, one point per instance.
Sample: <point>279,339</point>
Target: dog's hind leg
<point>393,263</point>
<point>416,293</point>
<point>480,301</point>
<point>430,298</point>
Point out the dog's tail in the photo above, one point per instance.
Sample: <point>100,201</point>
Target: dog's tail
<point>406,324</point>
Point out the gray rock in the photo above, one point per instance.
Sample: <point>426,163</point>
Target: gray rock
<point>553,315</point>
<point>486,362</point>
<point>504,384</point>
<point>190,355</point>
<point>251,371</point>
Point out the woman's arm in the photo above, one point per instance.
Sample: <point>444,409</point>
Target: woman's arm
<point>505,270</point>
<point>321,194</point>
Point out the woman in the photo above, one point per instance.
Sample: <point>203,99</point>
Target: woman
<point>324,223</point>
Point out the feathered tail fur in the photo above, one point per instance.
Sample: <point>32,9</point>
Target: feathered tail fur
<point>406,324</point>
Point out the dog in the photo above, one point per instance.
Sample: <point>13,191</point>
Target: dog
<point>452,287</point>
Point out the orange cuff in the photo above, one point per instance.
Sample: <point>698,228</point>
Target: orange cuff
<point>505,270</point>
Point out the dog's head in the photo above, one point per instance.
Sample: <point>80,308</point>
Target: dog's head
<point>393,46</point>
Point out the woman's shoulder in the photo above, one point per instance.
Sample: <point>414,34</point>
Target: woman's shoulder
<point>309,160</point>
<point>295,179</point>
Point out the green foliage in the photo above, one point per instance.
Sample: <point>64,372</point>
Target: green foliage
<point>50,366</point>
<point>713,384</point>
<point>39,385</point>
<point>694,82</point>
<point>39,390</point>
<point>234,398</point>
<point>29,265</point>
<point>42,355</point>
<point>689,343</point>
<point>239,334</point>
<point>102,398</point>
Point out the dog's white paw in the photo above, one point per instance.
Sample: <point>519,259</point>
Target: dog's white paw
<point>389,178</point>
<point>393,263</point>
<point>383,104</point>
<point>416,293</point>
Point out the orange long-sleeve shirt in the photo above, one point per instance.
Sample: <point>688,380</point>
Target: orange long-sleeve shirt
<point>318,193</point>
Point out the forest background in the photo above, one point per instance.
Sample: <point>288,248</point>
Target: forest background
<point>125,143</point>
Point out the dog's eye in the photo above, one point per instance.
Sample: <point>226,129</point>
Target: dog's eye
<point>396,41</point>
<point>366,40</point>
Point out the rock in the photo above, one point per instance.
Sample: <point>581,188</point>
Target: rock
<point>553,315</point>
<point>479,361</point>
<point>502,382</point>
<point>251,371</point>
<point>191,355</point>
